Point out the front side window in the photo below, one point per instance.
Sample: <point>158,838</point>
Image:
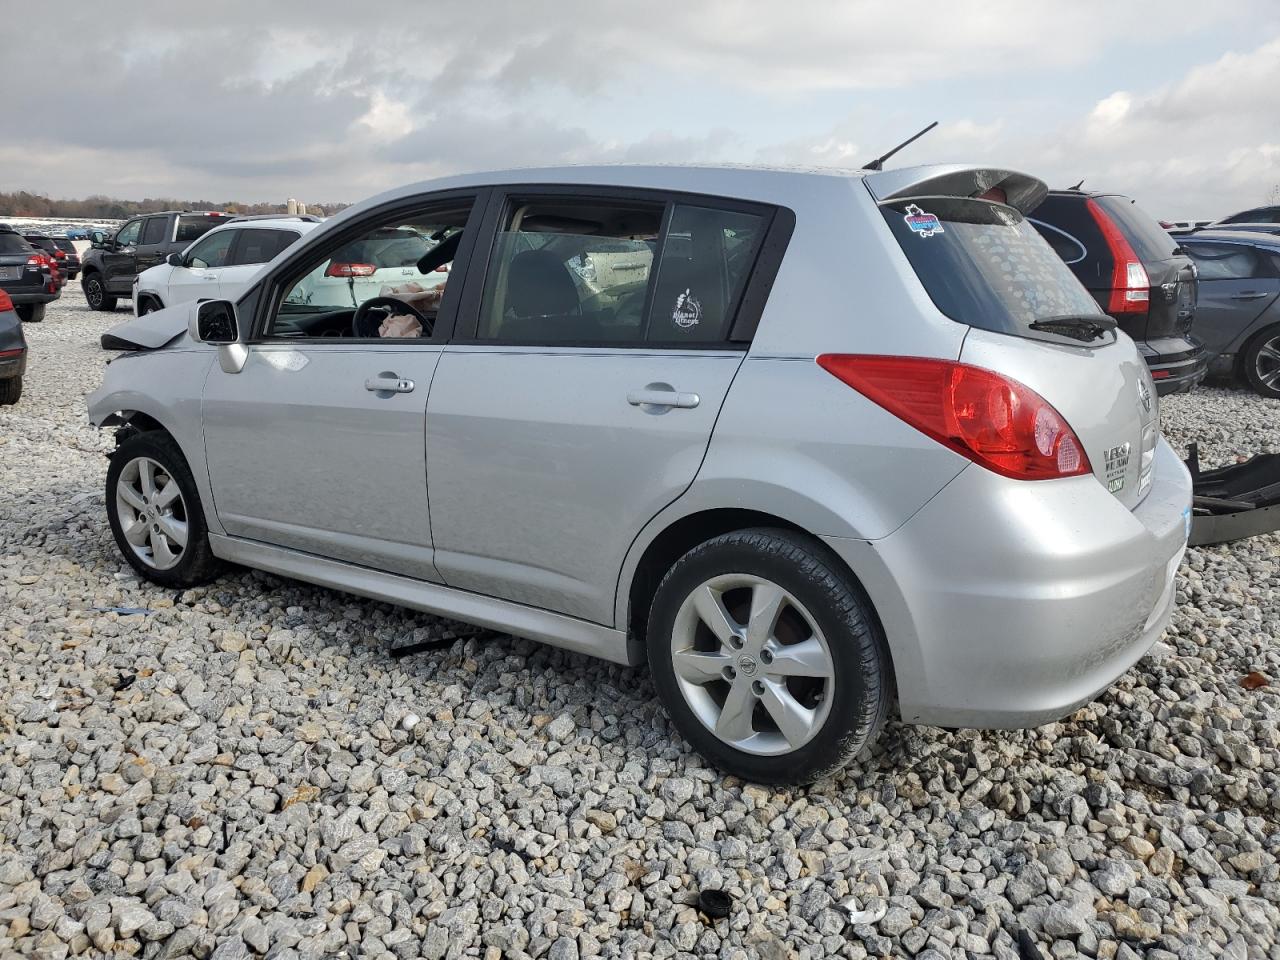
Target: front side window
<point>155,230</point>
<point>129,233</point>
<point>384,283</point>
<point>213,251</point>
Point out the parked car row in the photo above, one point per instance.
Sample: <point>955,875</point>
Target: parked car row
<point>670,420</point>
<point>29,276</point>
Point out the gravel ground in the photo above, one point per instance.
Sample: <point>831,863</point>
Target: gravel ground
<point>243,769</point>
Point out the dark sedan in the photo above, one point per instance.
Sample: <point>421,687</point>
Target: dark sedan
<point>1238,315</point>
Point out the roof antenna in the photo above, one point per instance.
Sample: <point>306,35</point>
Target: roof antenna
<point>878,163</point>
<point>1079,185</point>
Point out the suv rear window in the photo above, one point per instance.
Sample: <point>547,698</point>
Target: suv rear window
<point>64,245</point>
<point>12,243</point>
<point>1149,240</point>
<point>985,265</point>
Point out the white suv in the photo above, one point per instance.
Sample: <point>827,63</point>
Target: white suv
<point>220,264</point>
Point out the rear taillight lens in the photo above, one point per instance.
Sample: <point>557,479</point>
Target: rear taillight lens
<point>60,254</point>
<point>1130,285</point>
<point>350,270</point>
<point>995,421</point>
<point>5,303</point>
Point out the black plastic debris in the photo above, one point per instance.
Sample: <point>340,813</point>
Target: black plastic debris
<point>125,682</point>
<point>1231,503</point>
<point>714,903</point>
<point>1027,949</point>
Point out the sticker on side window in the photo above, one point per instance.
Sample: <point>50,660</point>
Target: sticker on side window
<point>687,312</point>
<point>921,223</point>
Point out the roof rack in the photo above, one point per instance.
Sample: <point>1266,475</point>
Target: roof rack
<point>305,217</point>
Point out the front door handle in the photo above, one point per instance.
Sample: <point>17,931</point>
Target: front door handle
<point>1248,295</point>
<point>657,397</point>
<point>389,383</point>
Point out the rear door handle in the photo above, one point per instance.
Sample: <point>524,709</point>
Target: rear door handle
<point>389,383</point>
<point>650,397</point>
<point>1248,295</point>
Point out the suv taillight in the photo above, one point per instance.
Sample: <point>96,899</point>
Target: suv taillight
<point>1130,286</point>
<point>350,270</point>
<point>5,303</point>
<point>993,420</point>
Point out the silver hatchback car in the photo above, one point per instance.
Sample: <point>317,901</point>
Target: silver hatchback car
<point>811,444</point>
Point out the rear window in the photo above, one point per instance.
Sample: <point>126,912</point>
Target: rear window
<point>12,243</point>
<point>194,226</point>
<point>984,265</point>
<point>64,245</point>
<point>1149,240</point>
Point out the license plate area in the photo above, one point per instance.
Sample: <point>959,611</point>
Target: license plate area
<point>9,273</point>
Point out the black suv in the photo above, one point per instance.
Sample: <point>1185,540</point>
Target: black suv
<point>1136,272</point>
<point>26,275</point>
<point>111,264</point>
<point>61,249</point>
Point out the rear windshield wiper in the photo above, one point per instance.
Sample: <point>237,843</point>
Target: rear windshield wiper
<point>1076,326</point>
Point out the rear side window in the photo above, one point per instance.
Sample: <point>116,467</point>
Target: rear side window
<point>984,265</point>
<point>155,230</point>
<point>1150,241</point>
<point>260,246</point>
<point>193,226</point>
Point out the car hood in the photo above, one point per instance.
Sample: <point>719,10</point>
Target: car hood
<point>152,331</point>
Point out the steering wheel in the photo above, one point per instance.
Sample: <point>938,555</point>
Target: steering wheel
<point>393,306</point>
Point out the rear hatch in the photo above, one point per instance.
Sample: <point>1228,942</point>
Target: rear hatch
<point>1171,278</point>
<point>17,274</point>
<point>1031,320</point>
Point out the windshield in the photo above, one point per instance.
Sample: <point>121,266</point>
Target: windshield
<point>984,265</point>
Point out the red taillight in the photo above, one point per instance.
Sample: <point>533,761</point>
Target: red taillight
<point>60,254</point>
<point>995,194</point>
<point>1159,374</point>
<point>5,302</point>
<point>350,270</point>
<point>1130,286</point>
<point>993,420</point>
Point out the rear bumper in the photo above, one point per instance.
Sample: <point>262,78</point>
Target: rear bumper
<point>12,366</point>
<point>1177,363</point>
<point>1009,604</point>
<point>32,296</point>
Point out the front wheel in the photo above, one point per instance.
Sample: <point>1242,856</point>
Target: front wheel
<point>95,293</point>
<point>768,657</point>
<point>10,391</point>
<point>153,507</point>
<point>1260,361</point>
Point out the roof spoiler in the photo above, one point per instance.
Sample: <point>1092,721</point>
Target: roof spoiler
<point>1024,192</point>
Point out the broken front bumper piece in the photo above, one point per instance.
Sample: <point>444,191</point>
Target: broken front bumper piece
<point>1231,503</point>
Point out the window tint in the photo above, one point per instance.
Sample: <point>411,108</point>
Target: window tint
<point>984,265</point>
<point>155,230</point>
<point>1149,240</point>
<point>196,225</point>
<point>1224,261</point>
<point>570,272</point>
<point>64,245</point>
<point>404,263</point>
<point>12,243</point>
<point>260,246</point>
<point>129,233</point>
<point>707,256</point>
<point>213,251</point>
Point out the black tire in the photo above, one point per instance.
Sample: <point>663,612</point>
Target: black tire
<point>30,312</point>
<point>861,690</point>
<point>1253,356</point>
<point>10,391</point>
<point>95,293</point>
<point>148,305</point>
<point>197,564</point>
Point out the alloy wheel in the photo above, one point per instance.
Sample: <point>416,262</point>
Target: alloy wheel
<point>93,293</point>
<point>1267,363</point>
<point>753,664</point>
<point>152,513</point>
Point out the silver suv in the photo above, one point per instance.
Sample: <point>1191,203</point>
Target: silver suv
<point>811,444</point>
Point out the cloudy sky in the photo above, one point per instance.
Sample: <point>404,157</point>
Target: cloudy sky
<point>1174,102</point>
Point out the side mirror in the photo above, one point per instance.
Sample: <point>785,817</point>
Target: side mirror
<point>175,260</point>
<point>97,238</point>
<point>215,322</point>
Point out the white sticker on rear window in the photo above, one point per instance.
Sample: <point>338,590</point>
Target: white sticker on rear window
<point>921,223</point>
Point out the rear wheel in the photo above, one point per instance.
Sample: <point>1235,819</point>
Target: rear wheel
<point>1260,363</point>
<point>95,292</point>
<point>10,391</point>
<point>767,657</point>
<point>154,510</point>
<point>30,312</point>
